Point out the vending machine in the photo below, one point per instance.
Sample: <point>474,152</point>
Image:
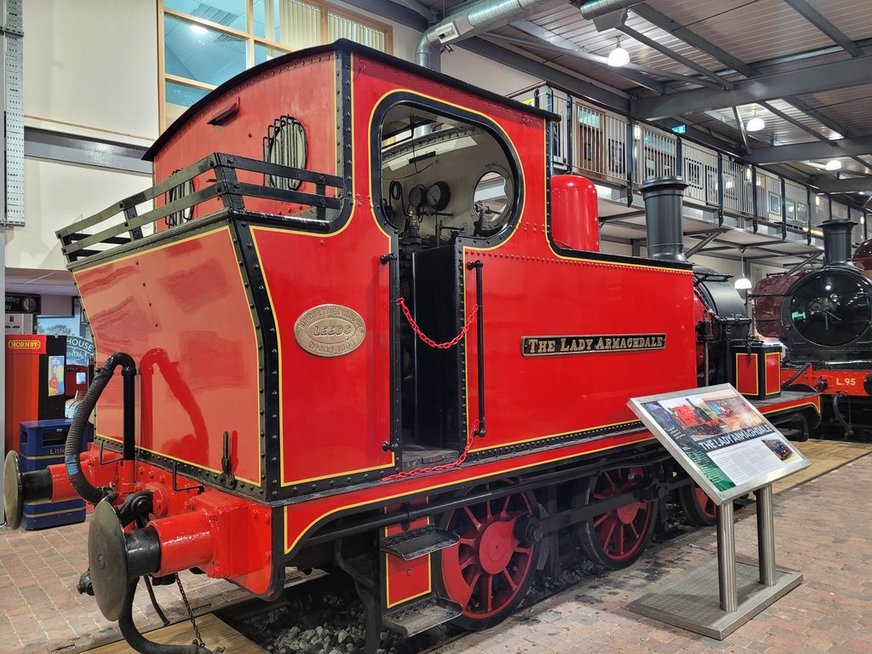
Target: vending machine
<point>36,382</point>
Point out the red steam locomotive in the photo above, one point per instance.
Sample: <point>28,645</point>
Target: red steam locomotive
<point>377,333</point>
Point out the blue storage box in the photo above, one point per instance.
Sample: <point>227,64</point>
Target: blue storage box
<point>42,445</point>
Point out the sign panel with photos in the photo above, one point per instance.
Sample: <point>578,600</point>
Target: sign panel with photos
<point>720,439</point>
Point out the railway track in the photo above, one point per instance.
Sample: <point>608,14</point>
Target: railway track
<point>324,616</point>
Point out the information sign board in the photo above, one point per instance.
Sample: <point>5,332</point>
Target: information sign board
<point>720,439</point>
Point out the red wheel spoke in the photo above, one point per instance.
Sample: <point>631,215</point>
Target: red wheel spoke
<point>621,549</point>
<point>463,600</point>
<point>509,580</point>
<point>487,592</point>
<point>599,520</point>
<point>488,572</point>
<point>607,535</point>
<point>471,516</point>
<point>635,531</point>
<point>608,479</point>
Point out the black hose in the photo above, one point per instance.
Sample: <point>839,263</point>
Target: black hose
<point>840,417</point>
<point>140,643</point>
<point>75,437</point>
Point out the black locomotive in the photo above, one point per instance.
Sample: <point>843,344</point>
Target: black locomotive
<point>824,317</point>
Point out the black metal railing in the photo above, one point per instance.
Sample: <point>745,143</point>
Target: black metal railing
<point>121,224</point>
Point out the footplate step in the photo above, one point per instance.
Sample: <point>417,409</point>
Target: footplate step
<point>421,616</point>
<point>411,544</point>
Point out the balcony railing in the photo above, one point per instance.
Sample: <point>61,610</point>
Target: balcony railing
<point>614,150</point>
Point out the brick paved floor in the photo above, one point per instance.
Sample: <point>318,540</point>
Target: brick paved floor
<point>41,611</point>
<point>822,528</point>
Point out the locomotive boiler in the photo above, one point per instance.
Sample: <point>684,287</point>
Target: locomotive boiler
<point>823,317</point>
<point>363,326</point>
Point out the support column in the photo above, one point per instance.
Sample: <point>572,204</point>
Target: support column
<point>766,536</point>
<point>729,595</point>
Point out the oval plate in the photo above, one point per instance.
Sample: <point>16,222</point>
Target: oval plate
<point>330,330</point>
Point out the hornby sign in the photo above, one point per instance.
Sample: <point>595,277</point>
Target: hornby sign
<point>25,345</point>
<point>536,346</point>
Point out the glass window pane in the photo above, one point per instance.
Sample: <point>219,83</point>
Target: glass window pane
<point>264,53</point>
<point>230,13</point>
<point>339,27</point>
<point>178,98</point>
<point>196,52</point>
<point>297,24</point>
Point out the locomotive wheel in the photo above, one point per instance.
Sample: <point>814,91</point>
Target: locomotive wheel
<point>698,507</point>
<point>489,571</point>
<point>616,539</point>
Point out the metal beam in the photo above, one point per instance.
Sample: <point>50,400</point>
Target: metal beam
<point>392,11</point>
<point>814,17</point>
<point>71,148</point>
<point>818,150</point>
<point>693,39</point>
<point>825,77</point>
<point>793,121</point>
<point>804,262</point>
<point>843,185</point>
<point>613,99</point>
<point>733,63</point>
<point>741,125</point>
<point>419,9</point>
<point>630,72</point>
<point>709,138</point>
<point>704,241</point>
<point>651,43</point>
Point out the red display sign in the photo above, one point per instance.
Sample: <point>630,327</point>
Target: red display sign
<point>25,345</point>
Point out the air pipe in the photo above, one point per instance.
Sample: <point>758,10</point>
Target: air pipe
<point>74,442</point>
<point>596,8</point>
<point>477,17</point>
<point>65,481</point>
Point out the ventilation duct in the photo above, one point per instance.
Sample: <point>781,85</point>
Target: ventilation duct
<point>596,8</point>
<point>476,17</point>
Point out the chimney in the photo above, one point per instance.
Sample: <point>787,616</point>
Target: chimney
<point>663,206</point>
<point>837,241</point>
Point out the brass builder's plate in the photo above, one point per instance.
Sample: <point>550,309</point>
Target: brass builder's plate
<point>330,330</point>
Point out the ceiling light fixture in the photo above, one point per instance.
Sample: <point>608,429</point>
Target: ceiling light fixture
<point>619,57</point>
<point>834,164</point>
<point>743,283</point>
<point>756,124</point>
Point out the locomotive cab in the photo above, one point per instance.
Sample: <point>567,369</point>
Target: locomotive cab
<point>445,182</point>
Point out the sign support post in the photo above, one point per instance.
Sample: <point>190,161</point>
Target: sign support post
<point>729,595</point>
<point>765,535</point>
<point>729,449</point>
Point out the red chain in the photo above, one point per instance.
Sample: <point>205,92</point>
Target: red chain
<point>405,474</point>
<point>429,341</point>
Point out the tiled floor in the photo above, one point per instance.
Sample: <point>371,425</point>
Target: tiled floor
<point>41,611</point>
<point>823,529</point>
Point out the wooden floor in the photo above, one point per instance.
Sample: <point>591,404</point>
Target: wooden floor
<point>214,631</point>
<point>824,456</point>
